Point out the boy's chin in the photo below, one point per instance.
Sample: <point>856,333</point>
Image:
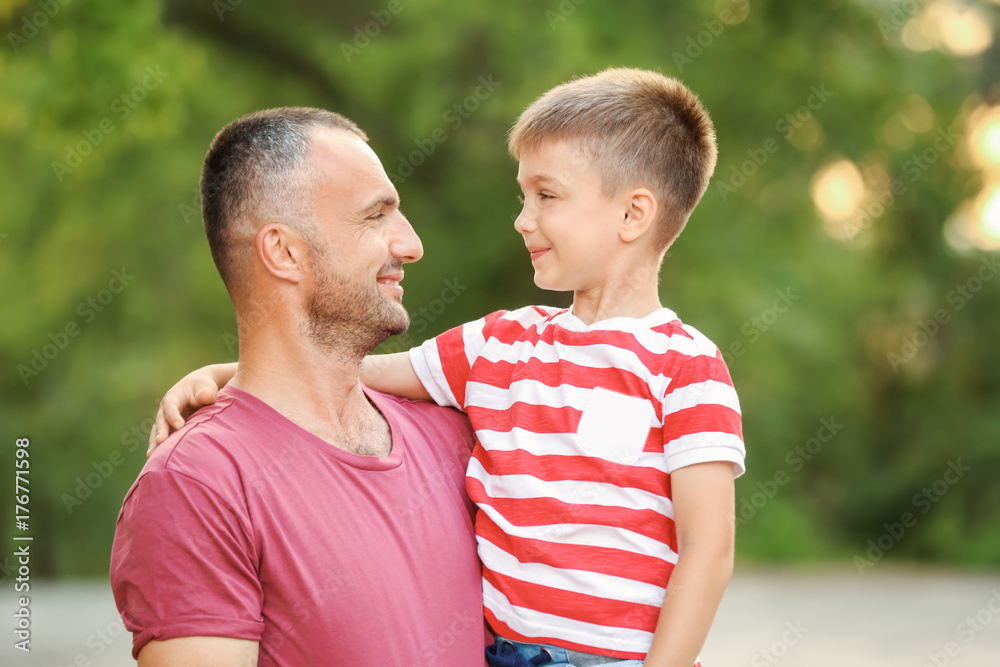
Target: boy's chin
<point>550,286</point>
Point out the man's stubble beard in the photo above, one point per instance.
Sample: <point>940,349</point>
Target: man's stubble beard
<point>345,316</point>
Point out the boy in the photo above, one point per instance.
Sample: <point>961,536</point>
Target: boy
<point>609,434</point>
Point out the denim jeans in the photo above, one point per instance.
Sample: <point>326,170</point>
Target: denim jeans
<point>546,655</point>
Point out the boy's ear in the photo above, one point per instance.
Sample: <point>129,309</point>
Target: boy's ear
<point>640,213</point>
<point>282,251</point>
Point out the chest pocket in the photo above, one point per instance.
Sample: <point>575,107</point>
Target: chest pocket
<point>614,426</point>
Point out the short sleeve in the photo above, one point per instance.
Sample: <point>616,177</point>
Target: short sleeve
<point>702,422</point>
<point>183,563</point>
<point>443,363</point>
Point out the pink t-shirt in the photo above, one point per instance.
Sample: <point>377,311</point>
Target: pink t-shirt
<point>244,525</point>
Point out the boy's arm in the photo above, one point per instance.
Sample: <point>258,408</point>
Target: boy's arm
<point>393,374</point>
<point>195,390</point>
<point>704,514</point>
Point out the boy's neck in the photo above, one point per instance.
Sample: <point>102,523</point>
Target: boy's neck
<point>633,293</point>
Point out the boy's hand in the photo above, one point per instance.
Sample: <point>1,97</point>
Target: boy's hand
<point>195,390</point>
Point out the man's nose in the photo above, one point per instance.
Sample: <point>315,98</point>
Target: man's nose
<point>405,245</point>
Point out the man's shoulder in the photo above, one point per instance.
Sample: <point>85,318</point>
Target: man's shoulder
<point>213,447</point>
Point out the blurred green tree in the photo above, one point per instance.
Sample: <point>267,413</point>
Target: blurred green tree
<point>110,293</point>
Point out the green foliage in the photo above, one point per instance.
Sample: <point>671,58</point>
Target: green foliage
<point>129,205</point>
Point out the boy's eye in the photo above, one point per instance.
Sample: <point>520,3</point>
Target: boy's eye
<point>545,195</point>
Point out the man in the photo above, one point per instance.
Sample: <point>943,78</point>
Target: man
<point>302,519</point>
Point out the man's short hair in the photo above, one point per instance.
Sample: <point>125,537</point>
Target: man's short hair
<point>256,171</point>
<point>638,128</point>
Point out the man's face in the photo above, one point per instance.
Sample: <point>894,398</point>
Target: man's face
<point>568,224</point>
<point>361,242</point>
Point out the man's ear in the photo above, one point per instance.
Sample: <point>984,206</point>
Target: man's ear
<point>282,251</point>
<point>640,214</point>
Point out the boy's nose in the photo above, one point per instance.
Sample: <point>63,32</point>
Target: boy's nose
<point>522,223</point>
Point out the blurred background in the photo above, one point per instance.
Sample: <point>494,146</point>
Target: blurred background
<point>845,257</point>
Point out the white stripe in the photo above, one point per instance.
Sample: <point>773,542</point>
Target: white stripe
<point>706,448</point>
<point>532,623</point>
<point>704,439</point>
<point>709,392</point>
<point>584,534</point>
<point>583,582</point>
<point>473,340</point>
<point>572,492</point>
<point>597,355</point>
<point>535,392</point>
<point>526,391</point>
<point>552,444</point>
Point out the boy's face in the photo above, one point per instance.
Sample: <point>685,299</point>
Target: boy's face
<point>569,226</point>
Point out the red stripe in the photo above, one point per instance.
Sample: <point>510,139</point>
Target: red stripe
<point>701,369</point>
<point>454,362</point>
<point>603,560</point>
<point>576,468</point>
<point>548,511</point>
<point>534,418</point>
<point>575,606</point>
<point>706,418</point>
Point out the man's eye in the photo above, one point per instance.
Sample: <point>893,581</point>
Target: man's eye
<point>545,195</point>
<point>377,216</point>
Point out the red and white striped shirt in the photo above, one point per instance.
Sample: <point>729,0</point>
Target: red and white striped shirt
<point>579,427</point>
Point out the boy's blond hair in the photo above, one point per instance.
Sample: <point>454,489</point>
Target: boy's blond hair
<point>639,128</point>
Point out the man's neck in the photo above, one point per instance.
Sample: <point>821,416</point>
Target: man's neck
<point>316,389</point>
